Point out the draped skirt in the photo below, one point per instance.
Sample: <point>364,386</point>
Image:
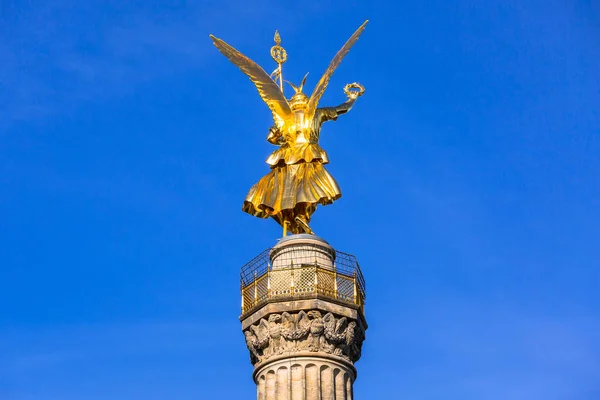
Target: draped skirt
<point>293,189</point>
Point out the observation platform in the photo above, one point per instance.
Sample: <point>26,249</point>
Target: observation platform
<point>301,267</point>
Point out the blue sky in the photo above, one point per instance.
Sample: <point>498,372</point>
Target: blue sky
<point>469,170</point>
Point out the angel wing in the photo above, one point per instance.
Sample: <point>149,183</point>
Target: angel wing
<point>267,88</point>
<point>340,325</point>
<point>302,320</point>
<point>262,334</point>
<point>351,333</point>
<point>329,323</point>
<point>324,81</point>
<point>302,325</point>
<point>287,325</point>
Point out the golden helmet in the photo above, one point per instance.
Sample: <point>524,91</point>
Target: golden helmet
<point>299,100</point>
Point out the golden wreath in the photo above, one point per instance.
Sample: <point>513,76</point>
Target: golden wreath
<point>354,90</point>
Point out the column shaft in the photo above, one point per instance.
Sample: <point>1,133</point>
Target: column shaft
<point>305,379</point>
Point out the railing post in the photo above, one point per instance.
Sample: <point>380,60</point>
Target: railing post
<point>316,274</point>
<point>255,290</point>
<point>356,301</point>
<point>335,289</point>
<point>292,281</point>
<point>268,283</point>
<point>243,290</point>
<point>316,279</point>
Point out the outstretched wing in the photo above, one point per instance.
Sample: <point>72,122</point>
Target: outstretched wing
<point>340,325</point>
<point>324,81</point>
<point>267,88</point>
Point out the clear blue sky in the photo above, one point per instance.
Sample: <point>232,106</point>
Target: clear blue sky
<point>469,171</point>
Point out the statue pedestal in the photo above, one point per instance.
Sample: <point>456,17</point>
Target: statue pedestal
<point>303,320</point>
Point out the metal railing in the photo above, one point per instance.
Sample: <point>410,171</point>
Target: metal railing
<point>343,281</point>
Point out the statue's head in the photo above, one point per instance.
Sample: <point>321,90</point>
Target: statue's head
<point>299,101</point>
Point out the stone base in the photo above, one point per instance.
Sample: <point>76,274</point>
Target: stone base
<point>305,378</point>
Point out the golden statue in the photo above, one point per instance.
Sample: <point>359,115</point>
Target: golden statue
<point>298,181</point>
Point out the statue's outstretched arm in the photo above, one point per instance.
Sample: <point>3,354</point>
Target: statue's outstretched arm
<point>331,113</point>
<point>345,106</point>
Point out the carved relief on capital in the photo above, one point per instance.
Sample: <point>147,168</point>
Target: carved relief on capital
<point>304,331</point>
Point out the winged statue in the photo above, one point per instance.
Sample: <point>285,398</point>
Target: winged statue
<point>298,181</point>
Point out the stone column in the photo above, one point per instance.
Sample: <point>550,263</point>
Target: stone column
<point>305,335</point>
<point>305,378</point>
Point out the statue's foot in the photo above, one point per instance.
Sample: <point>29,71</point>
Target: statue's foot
<point>302,224</point>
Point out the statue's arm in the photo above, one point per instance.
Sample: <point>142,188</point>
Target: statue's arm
<point>331,113</point>
<point>345,107</point>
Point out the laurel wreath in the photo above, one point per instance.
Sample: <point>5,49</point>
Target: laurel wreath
<point>354,89</point>
<point>279,54</point>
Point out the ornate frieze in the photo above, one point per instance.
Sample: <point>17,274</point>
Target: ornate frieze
<point>302,331</point>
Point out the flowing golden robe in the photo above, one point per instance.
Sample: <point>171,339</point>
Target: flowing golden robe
<point>298,181</point>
